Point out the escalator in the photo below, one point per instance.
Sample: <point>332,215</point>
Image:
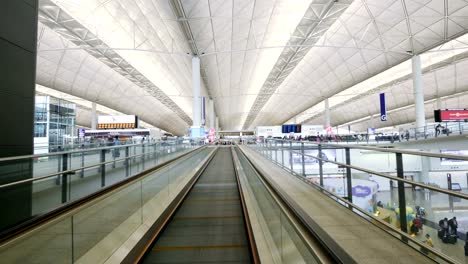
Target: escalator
<point>209,225</point>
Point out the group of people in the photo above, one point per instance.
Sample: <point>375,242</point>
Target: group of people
<point>439,129</point>
<point>448,230</point>
<point>449,226</point>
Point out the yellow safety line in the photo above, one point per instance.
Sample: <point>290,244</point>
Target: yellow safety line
<point>197,247</point>
<point>212,200</point>
<point>207,217</point>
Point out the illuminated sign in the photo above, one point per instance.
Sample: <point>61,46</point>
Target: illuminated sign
<point>447,115</point>
<point>117,122</point>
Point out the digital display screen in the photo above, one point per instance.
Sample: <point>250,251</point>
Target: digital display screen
<point>448,115</point>
<point>117,122</point>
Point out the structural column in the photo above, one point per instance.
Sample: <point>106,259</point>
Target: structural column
<point>18,38</point>
<point>195,130</point>
<point>327,113</point>
<point>212,114</point>
<point>418,94</point>
<point>93,116</point>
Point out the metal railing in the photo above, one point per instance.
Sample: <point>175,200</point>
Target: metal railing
<point>58,178</point>
<point>275,150</point>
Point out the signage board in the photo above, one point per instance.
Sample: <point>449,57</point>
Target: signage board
<point>383,109</point>
<point>450,115</point>
<point>117,122</point>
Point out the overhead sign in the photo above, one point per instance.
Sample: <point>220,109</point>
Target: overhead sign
<point>383,110</point>
<point>116,122</point>
<point>448,115</point>
<point>81,133</point>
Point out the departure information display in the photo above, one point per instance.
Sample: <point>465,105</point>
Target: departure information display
<point>117,122</point>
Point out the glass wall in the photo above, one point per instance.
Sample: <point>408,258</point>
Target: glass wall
<point>54,121</point>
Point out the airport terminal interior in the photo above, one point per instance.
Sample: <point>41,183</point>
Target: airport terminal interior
<point>234,131</point>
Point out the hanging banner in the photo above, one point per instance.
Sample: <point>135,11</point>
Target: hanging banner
<point>383,110</point>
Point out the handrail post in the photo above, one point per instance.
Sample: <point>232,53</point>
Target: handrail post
<point>320,164</point>
<point>401,193</point>
<point>127,161</point>
<point>291,156</point>
<point>349,184</point>
<point>143,156</point>
<point>59,168</point>
<point>103,167</point>
<point>276,151</point>
<point>82,164</point>
<point>303,163</point>
<point>282,153</point>
<point>64,178</point>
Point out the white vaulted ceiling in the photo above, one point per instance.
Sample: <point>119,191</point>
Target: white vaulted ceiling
<point>264,62</point>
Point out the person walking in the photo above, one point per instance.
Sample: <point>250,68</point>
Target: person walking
<point>438,128</point>
<point>453,225</point>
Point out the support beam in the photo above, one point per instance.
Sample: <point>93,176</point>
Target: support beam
<point>18,50</point>
<point>327,113</point>
<point>93,116</point>
<point>212,114</point>
<point>418,94</point>
<point>196,110</point>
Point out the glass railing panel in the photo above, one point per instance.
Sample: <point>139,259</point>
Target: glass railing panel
<point>98,229</point>
<point>46,165</point>
<point>49,245</point>
<point>285,245</point>
<point>47,194</point>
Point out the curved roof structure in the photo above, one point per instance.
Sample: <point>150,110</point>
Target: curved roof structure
<point>263,62</point>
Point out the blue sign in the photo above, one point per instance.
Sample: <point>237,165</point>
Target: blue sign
<point>81,133</point>
<point>383,110</point>
<point>361,191</point>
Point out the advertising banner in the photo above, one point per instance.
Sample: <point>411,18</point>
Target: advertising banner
<point>448,115</point>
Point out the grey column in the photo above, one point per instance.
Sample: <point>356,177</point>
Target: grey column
<point>196,91</point>
<point>93,116</point>
<point>18,37</point>
<point>327,113</point>
<point>418,94</point>
<point>425,168</point>
<point>212,114</point>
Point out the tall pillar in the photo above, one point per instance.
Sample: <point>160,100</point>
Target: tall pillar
<point>196,116</point>
<point>18,38</point>
<point>212,114</point>
<point>217,124</point>
<point>425,167</point>
<point>327,113</point>
<point>93,116</point>
<point>418,94</point>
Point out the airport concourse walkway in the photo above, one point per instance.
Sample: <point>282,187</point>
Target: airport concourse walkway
<point>364,242</point>
<point>209,226</point>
